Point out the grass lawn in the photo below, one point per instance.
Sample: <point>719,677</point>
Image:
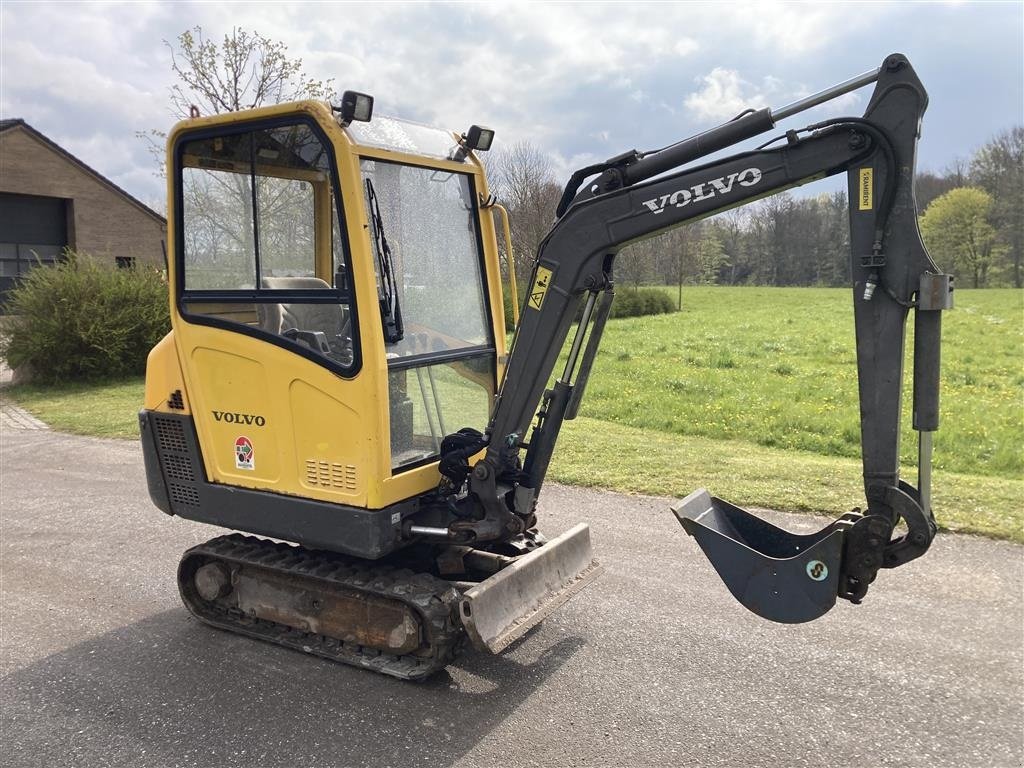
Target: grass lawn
<point>777,367</point>
<point>103,410</point>
<point>752,393</point>
<point>602,455</point>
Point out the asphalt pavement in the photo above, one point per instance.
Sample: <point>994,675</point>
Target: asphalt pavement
<point>654,665</point>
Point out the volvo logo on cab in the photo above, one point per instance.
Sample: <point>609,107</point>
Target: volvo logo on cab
<point>748,177</point>
<point>239,418</point>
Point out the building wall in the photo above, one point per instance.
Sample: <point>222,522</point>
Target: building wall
<point>102,221</point>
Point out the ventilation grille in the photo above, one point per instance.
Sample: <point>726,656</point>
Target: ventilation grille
<point>170,434</point>
<point>173,444</point>
<point>183,494</point>
<point>327,474</point>
<point>178,468</point>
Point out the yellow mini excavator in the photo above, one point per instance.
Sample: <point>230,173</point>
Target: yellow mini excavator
<point>337,381</point>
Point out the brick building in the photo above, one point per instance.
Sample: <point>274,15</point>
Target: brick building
<point>49,200</point>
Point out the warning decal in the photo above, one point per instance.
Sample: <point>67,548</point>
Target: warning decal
<point>245,456</point>
<point>540,287</point>
<point>866,187</point>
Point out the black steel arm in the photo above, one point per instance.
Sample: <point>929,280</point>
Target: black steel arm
<point>577,253</point>
<point>891,272</point>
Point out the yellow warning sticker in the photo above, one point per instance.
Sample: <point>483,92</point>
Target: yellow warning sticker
<point>866,188</point>
<point>540,287</point>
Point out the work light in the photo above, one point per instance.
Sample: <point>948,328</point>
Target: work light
<point>355,106</point>
<point>478,137</point>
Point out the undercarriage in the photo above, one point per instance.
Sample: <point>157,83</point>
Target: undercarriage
<point>406,622</point>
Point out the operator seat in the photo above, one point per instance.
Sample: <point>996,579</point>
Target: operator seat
<point>332,320</point>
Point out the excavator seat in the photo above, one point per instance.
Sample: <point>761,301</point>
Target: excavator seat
<point>324,327</point>
<point>781,576</point>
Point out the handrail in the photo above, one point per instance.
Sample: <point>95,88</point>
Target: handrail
<point>514,288</point>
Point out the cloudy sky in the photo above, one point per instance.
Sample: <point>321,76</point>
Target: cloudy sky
<point>582,81</point>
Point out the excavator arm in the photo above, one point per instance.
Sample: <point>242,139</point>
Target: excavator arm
<point>779,575</point>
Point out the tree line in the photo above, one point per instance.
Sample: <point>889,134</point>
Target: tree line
<point>971,217</point>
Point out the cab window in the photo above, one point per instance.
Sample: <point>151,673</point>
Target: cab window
<point>260,246</point>
<point>431,289</point>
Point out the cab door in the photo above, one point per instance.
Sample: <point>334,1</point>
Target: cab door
<point>263,307</point>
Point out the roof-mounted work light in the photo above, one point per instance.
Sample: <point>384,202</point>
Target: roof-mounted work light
<point>355,106</point>
<point>478,138</point>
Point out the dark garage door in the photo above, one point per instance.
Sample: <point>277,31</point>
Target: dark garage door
<point>33,231</point>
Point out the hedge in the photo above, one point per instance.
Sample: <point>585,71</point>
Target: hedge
<point>81,319</point>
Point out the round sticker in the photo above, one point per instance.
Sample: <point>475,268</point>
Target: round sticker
<point>817,570</point>
<point>244,454</point>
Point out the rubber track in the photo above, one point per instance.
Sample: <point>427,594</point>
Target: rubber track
<point>431,599</point>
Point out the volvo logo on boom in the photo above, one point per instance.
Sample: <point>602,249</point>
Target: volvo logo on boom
<point>706,190</point>
<point>239,418</point>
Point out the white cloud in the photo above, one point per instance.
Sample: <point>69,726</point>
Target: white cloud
<point>65,80</point>
<point>847,104</point>
<point>788,29</point>
<point>563,166</point>
<point>725,94</point>
<point>685,46</point>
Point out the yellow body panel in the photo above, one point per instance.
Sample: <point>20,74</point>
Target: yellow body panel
<point>163,378</point>
<point>295,413</point>
<point>312,432</point>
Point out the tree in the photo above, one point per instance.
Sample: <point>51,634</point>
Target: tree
<point>636,263</point>
<point>928,186</point>
<point>772,225</point>
<point>245,70</point>
<point>834,259</point>
<point>730,228</point>
<point>522,179</point>
<point>711,258</point>
<point>998,168</point>
<point>956,230</point>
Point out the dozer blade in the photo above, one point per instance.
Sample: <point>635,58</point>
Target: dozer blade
<point>498,611</point>
<point>781,576</point>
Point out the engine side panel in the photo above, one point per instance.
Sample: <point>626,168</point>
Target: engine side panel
<point>179,485</point>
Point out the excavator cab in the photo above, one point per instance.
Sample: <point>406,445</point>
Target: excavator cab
<point>321,271</point>
<point>336,310</point>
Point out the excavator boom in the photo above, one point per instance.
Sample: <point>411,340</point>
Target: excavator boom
<point>892,273</point>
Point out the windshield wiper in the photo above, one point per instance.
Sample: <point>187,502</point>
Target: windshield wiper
<point>387,290</point>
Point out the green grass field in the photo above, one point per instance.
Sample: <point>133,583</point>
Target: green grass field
<point>103,410</point>
<point>751,392</point>
<point>777,367</point>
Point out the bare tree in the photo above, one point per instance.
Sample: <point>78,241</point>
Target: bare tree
<point>730,228</point>
<point>245,70</point>
<point>928,186</point>
<point>522,178</point>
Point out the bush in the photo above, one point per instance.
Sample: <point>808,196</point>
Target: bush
<point>629,302</point>
<point>635,302</point>
<point>83,320</point>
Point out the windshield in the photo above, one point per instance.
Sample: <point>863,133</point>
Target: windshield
<point>428,220</point>
<point>430,288</point>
